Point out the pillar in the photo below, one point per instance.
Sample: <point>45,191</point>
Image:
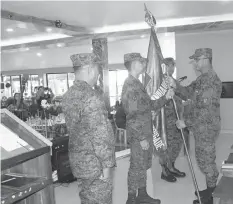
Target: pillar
<point>100,48</point>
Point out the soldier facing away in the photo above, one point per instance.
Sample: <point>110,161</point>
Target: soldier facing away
<point>204,118</point>
<point>174,139</point>
<point>137,107</point>
<point>91,138</point>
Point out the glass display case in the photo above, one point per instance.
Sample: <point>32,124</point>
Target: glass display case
<point>26,172</point>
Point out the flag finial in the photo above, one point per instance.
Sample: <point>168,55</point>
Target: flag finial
<point>149,18</point>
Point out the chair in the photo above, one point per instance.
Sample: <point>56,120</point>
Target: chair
<point>120,131</point>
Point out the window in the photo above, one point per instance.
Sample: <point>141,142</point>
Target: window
<point>71,78</point>
<point>33,82</point>
<point>7,90</point>
<point>58,83</point>
<point>112,87</point>
<point>15,84</point>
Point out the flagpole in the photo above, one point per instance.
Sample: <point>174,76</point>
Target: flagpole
<point>149,18</point>
<point>187,153</point>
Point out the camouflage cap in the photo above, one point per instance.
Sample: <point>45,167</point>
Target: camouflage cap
<point>207,52</point>
<point>83,59</point>
<point>129,57</point>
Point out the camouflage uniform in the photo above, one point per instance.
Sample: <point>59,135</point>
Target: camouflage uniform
<point>91,139</point>
<point>204,118</point>
<point>174,139</point>
<point>138,106</point>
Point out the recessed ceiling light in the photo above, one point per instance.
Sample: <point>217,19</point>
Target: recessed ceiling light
<point>23,49</point>
<point>60,44</point>
<point>9,29</point>
<point>91,48</point>
<point>142,36</point>
<point>49,29</point>
<point>39,54</point>
<point>22,25</point>
<point>33,38</point>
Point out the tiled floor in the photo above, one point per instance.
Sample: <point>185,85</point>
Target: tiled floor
<point>180,192</point>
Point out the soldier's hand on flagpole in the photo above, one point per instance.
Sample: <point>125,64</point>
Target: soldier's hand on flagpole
<point>180,124</point>
<point>144,144</point>
<point>170,93</point>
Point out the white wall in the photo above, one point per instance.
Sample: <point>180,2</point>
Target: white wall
<point>51,58</point>
<point>222,44</point>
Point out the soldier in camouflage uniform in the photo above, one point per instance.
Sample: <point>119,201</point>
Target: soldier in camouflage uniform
<point>137,107</point>
<point>204,119</point>
<point>91,138</point>
<point>174,139</point>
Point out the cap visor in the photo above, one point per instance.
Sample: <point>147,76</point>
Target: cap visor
<point>143,59</point>
<point>192,57</point>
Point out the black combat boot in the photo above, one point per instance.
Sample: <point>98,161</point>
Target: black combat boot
<point>131,198</point>
<point>204,200</point>
<point>206,192</point>
<point>206,196</point>
<point>166,175</point>
<point>175,172</point>
<point>144,198</point>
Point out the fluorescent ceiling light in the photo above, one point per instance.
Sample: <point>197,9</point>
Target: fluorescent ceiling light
<point>164,23</point>
<point>39,54</point>
<point>60,44</point>
<point>33,38</point>
<point>9,29</point>
<point>49,29</point>
<point>24,49</point>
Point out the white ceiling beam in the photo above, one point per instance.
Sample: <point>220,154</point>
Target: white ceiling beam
<point>123,35</point>
<point>43,22</point>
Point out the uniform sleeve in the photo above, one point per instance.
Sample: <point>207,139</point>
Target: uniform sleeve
<point>159,103</point>
<point>185,93</point>
<point>180,107</point>
<point>130,100</point>
<point>102,140</point>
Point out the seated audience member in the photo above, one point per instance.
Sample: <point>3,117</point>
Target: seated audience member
<point>48,94</point>
<point>120,117</point>
<point>18,107</point>
<point>44,94</point>
<point>33,108</point>
<point>117,105</point>
<point>3,102</point>
<point>56,109</point>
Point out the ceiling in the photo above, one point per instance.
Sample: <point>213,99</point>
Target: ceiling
<point>104,16</point>
<point>93,14</point>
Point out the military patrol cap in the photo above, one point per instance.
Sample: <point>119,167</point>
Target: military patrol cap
<point>129,57</point>
<point>82,59</point>
<point>207,52</point>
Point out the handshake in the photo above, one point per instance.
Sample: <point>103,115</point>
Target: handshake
<point>170,82</point>
<point>180,124</point>
<point>170,93</point>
